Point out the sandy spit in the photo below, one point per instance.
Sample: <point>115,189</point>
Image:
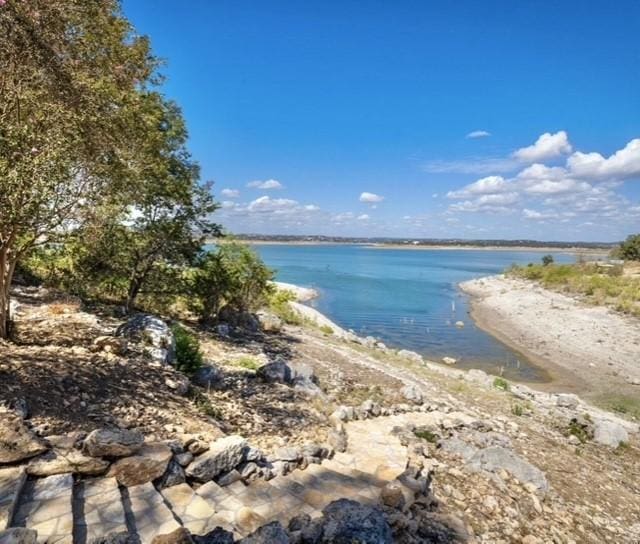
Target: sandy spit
<point>591,350</point>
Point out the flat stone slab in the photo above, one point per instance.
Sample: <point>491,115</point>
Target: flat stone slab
<point>194,512</point>
<point>49,509</point>
<point>147,513</point>
<point>100,509</point>
<point>11,482</point>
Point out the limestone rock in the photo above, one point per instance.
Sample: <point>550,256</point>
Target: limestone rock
<point>73,461</point>
<point>174,475</point>
<point>338,440</point>
<point>112,442</point>
<point>348,521</point>
<point>179,536</point>
<point>412,394</point>
<point>449,360</point>
<point>496,458</point>
<point>609,433</point>
<point>271,533</point>
<point>269,322</point>
<point>217,536</point>
<point>18,535</point>
<point>223,455</point>
<point>152,332</point>
<point>17,442</point>
<point>276,371</point>
<point>149,463</point>
<point>411,356</point>
<point>566,400</point>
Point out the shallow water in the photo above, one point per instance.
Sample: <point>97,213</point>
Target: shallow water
<point>407,298</point>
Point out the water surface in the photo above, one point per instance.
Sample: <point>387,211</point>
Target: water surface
<point>407,298</point>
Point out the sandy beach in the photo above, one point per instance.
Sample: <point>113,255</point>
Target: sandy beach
<point>590,350</point>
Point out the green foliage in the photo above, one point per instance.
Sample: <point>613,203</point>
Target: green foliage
<point>600,285</point>
<point>578,431</point>
<point>517,409</point>
<point>326,329</point>
<point>427,435</point>
<point>501,383</point>
<point>279,300</point>
<point>188,354</point>
<point>547,260</point>
<point>231,274</point>
<point>204,405</point>
<point>629,250</point>
<point>247,362</point>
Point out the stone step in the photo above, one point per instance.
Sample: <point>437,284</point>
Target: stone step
<point>146,513</point>
<point>98,509</point>
<point>193,511</point>
<point>47,508</point>
<point>225,504</point>
<point>12,480</point>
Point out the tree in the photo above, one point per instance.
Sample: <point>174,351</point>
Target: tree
<point>72,76</point>
<point>145,235</point>
<point>629,250</point>
<point>547,260</point>
<point>232,275</point>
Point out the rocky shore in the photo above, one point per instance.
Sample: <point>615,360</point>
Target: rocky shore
<point>289,434</point>
<point>590,350</point>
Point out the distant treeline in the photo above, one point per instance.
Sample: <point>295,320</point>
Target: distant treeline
<point>425,241</point>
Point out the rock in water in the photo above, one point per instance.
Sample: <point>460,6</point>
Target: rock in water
<point>112,442</point>
<point>17,442</point>
<point>348,521</point>
<point>148,464</point>
<point>223,455</point>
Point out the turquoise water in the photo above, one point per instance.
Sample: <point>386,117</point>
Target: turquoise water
<point>409,299</point>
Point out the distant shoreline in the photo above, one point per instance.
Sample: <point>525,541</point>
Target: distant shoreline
<point>436,247</point>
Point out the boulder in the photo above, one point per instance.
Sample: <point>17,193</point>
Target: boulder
<point>180,536</point>
<point>276,371</point>
<point>411,356</point>
<point>286,454</point>
<point>271,533</point>
<point>72,461</point>
<point>18,535</point>
<point>148,464</point>
<point>609,433</point>
<point>269,322</point>
<point>154,333</point>
<point>496,458</point>
<point>183,459</point>
<point>174,475</point>
<point>347,521</point>
<point>228,478</point>
<point>223,455</point>
<point>449,360</point>
<point>566,400</point>
<point>207,376</point>
<point>17,441</point>
<point>397,495</point>
<point>217,536</point>
<point>112,443</point>
<point>411,393</point>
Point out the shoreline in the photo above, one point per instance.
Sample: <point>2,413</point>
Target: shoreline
<point>588,350</point>
<point>436,247</point>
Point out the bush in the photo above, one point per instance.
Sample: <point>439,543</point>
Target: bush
<point>188,354</point>
<point>547,260</point>
<point>501,383</point>
<point>279,304</point>
<point>629,250</point>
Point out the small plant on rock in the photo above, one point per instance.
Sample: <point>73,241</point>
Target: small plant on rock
<point>188,354</point>
<point>247,362</point>
<point>427,435</point>
<point>501,383</point>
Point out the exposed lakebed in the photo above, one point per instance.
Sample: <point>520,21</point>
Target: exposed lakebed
<point>408,298</point>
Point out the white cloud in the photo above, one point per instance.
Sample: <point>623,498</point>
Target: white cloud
<point>487,203</point>
<point>623,164</point>
<point>472,165</point>
<point>363,217</point>
<point>265,185</point>
<point>478,134</point>
<point>370,197</point>
<point>230,193</point>
<point>488,185</point>
<point>311,208</point>
<point>547,146</point>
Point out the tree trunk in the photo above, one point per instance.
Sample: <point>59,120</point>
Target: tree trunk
<point>7,267</point>
<point>132,293</point>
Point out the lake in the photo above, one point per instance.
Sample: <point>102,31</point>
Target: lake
<point>407,298</point>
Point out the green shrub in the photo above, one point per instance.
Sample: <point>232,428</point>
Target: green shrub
<point>326,329</point>
<point>501,383</point>
<point>188,354</point>
<point>247,362</point>
<point>279,301</point>
<point>547,260</point>
<point>517,410</point>
<point>629,250</point>
<point>427,435</point>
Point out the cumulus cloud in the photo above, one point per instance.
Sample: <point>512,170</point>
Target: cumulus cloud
<point>478,134</point>
<point>230,193</point>
<point>547,146</point>
<point>370,198</point>
<point>265,185</point>
<point>583,186</point>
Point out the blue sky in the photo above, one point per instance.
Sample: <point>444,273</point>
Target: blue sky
<point>358,117</point>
